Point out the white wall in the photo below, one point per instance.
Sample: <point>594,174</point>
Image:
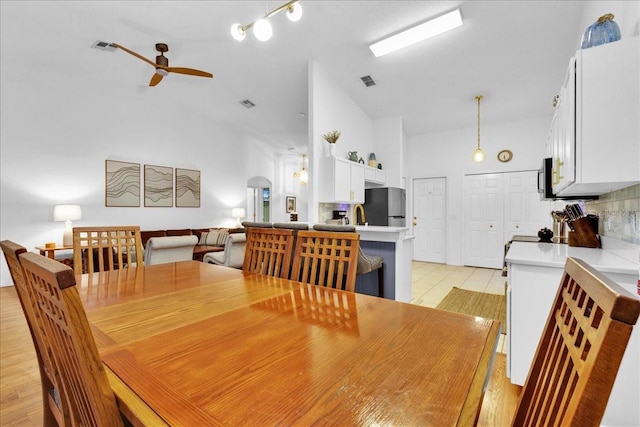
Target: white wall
<point>387,144</point>
<point>56,134</point>
<point>330,108</point>
<point>448,154</point>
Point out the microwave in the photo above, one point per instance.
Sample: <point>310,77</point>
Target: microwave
<point>545,180</point>
<point>545,183</point>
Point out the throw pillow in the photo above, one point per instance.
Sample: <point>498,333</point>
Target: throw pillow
<point>215,237</point>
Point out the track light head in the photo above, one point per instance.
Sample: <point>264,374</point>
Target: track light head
<point>237,32</point>
<point>294,12</point>
<point>262,30</point>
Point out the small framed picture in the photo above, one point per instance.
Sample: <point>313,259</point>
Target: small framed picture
<point>291,204</point>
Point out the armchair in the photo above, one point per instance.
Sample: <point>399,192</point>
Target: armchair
<point>233,253</point>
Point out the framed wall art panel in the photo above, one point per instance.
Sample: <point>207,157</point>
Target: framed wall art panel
<point>187,188</point>
<point>291,204</point>
<point>122,184</point>
<point>158,186</point>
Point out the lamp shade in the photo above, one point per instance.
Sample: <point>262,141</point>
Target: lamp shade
<point>237,212</point>
<point>294,12</point>
<point>67,212</point>
<point>262,30</point>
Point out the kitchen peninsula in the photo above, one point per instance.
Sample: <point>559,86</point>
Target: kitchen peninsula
<point>393,244</point>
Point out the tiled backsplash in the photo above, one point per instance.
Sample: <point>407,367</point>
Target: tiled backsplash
<point>618,213</point>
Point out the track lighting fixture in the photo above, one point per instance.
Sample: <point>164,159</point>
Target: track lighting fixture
<point>478,155</point>
<point>261,27</point>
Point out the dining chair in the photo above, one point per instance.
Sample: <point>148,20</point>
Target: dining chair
<point>54,413</point>
<point>366,262</point>
<point>160,250</point>
<point>111,248</point>
<point>326,259</point>
<point>269,251</point>
<point>67,336</point>
<point>579,352</point>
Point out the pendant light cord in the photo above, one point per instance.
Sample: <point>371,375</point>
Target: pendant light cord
<point>479,97</point>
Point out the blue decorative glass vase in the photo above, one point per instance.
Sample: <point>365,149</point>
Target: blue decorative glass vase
<point>604,30</point>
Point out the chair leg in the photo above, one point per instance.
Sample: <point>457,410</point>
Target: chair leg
<point>381,281</point>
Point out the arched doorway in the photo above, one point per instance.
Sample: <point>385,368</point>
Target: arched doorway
<point>259,199</point>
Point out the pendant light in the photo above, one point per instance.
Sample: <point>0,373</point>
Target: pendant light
<point>478,155</point>
<point>303,175</point>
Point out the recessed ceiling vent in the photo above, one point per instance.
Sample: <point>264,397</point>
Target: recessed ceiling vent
<point>247,103</point>
<point>104,46</point>
<point>368,81</point>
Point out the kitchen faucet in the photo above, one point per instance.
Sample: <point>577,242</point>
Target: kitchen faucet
<point>358,207</point>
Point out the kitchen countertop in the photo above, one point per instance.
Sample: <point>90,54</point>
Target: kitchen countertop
<point>381,228</point>
<point>555,255</point>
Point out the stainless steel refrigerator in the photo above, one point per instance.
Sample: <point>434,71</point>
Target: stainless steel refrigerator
<point>385,206</point>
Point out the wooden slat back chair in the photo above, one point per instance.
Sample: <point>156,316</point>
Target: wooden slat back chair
<point>579,352</point>
<point>97,249</point>
<point>326,258</point>
<point>54,296</point>
<point>54,413</point>
<point>268,251</point>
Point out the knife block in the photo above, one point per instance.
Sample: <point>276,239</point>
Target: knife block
<point>583,234</point>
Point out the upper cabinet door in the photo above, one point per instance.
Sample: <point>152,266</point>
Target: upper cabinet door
<point>596,147</point>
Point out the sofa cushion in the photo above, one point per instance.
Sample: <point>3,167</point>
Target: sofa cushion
<point>146,235</point>
<point>214,237</point>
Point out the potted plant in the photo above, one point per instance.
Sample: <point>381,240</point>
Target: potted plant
<point>332,137</point>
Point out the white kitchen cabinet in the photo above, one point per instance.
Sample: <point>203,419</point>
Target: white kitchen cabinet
<point>596,136</point>
<point>341,181</point>
<point>374,175</point>
<point>534,273</point>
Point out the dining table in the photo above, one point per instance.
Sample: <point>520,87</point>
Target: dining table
<point>196,344</point>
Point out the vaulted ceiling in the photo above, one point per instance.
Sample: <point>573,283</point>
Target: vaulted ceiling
<point>514,53</point>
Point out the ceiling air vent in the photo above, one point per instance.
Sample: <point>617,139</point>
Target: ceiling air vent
<point>104,46</point>
<point>247,103</point>
<point>368,81</point>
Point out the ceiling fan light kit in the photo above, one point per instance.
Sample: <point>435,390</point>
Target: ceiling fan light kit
<point>261,27</point>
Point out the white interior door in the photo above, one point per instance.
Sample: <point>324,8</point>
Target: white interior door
<point>429,219</point>
<point>524,212</point>
<point>483,234</point>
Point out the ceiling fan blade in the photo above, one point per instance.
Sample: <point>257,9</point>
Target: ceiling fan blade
<point>189,71</point>
<point>137,55</point>
<point>155,79</point>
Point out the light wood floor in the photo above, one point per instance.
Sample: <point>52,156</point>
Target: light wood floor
<point>20,398</point>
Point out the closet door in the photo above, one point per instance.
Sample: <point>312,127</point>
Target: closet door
<point>524,212</point>
<point>484,244</point>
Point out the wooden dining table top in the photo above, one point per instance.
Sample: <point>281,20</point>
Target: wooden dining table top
<point>195,344</point>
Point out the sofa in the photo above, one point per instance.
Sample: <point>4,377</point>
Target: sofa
<point>209,239</point>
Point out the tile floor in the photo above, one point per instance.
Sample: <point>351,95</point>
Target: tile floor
<point>432,282</point>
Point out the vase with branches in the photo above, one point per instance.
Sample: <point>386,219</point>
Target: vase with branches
<point>332,137</point>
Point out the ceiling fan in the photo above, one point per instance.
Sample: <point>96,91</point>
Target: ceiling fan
<point>162,64</point>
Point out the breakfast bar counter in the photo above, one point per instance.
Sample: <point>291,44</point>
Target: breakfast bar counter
<point>393,244</point>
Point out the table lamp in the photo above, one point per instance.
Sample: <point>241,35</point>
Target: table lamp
<point>67,213</point>
<point>238,213</point>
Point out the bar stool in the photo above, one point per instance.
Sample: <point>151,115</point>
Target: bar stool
<point>366,263</point>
